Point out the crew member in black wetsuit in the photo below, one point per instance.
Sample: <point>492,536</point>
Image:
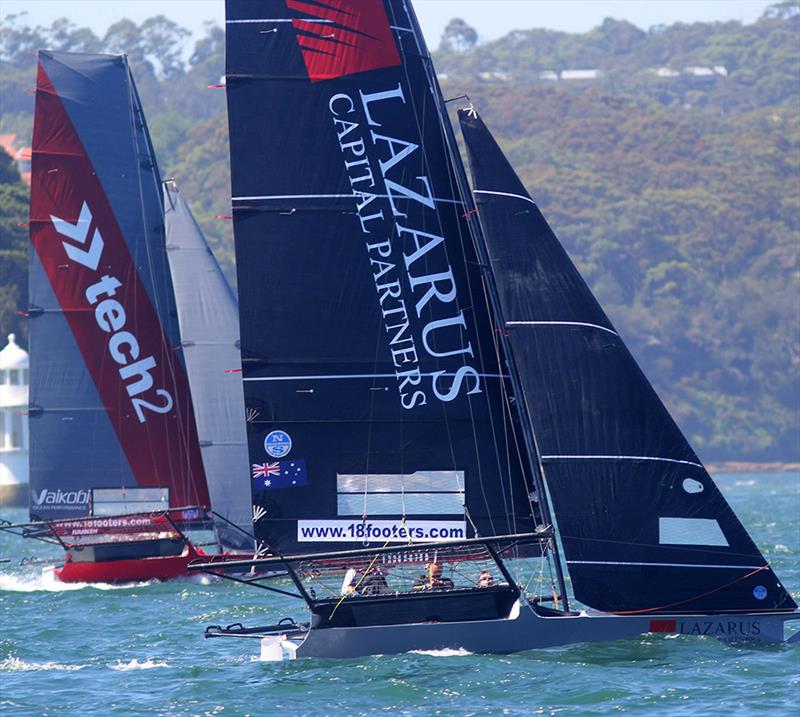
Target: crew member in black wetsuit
<point>371,583</point>
<point>433,579</point>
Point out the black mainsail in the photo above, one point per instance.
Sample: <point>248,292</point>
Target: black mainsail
<point>375,383</point>
<point>643,525</point>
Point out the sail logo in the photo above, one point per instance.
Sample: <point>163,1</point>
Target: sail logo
<point>53,499</point>
<point>416,286</point>
<point>343,37</point>
<point>123,347</point>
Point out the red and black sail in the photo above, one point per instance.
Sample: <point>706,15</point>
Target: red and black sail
<point>110,402</point>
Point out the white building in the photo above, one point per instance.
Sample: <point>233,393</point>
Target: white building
<point>581,74</point>
<point>13,425</point>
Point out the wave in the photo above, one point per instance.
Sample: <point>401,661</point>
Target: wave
<point>46,581</point>
<point>444,652</point>
<point>134,664</point>
<point>14,664</point>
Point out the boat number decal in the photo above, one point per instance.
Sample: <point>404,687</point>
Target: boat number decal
<point>278,444</point>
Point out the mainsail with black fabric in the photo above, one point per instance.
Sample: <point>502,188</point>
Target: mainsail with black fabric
<point>209,327</point>
<point>375,385</point>
<point>110,401</point>
<point>643,525</point>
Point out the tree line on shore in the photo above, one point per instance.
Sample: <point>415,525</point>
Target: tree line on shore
<point>678,200</point>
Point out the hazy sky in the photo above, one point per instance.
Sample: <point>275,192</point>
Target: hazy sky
<point>492,18</point>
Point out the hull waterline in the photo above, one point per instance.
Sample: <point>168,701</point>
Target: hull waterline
<point>524,630</point>
<point>126,571</point>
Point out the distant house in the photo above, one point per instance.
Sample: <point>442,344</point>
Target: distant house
<point>21,157</point>
<point>699,74</point>
<point>13,425</point>
<point>580,74</point>
<point>548,76</point>
<point>665,72</point>
<point>496,76</point>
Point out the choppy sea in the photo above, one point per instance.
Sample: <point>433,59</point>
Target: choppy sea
<point>139,650</point>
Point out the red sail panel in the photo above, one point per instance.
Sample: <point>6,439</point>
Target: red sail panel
<point>344,37</point>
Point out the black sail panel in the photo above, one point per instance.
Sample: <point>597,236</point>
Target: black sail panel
<point>373,381</point>
<point>643,525</point>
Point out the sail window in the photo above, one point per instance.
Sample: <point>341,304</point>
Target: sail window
<point>690,531</point>
<point>420,493</point>
<point>13,377</point>
<point>122,501</point>
<point>2,429</point>
<point>2,376</point>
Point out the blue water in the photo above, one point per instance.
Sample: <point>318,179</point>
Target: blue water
<point>139,650</point>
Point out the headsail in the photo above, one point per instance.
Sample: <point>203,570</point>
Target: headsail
<point>110,403</point>
<point>374,382</point>
<point>209,325</point>
<point>643,525</point>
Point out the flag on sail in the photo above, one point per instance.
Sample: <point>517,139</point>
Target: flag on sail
<point>280,474</point>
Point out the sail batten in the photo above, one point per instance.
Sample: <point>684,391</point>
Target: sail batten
<point>633,502</point>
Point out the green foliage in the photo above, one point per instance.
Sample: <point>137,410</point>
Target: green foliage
<point>678,198</point>
<point>459,36</point>
<point>13,250</point>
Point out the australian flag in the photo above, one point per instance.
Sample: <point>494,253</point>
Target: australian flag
<point>280,474</point>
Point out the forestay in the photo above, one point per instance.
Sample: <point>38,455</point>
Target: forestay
<point>643,525</point>
<point>369,355</point>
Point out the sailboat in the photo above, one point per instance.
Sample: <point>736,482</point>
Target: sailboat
<point>136,430</point>
<point>436,402</point>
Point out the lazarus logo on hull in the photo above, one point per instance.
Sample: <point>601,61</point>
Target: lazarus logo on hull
<point>79,241</point>
<point>343,37</point>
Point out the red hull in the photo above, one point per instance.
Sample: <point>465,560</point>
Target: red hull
<point>127,571</point>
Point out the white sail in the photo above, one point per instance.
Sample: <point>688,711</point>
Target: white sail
<point>209,325</point>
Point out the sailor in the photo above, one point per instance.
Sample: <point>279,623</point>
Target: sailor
<point>371,582</point>
<point>433,579</point>
<point>485,579</point>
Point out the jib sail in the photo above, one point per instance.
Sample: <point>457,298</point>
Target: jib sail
<point>110,404</point>
<point>209,325</point>
<point>643,525</point>
<point>374,383</point>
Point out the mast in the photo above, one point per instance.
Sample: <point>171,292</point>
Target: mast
<point>520,402</point>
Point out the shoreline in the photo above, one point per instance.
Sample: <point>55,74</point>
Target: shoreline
<point>745,467</point>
